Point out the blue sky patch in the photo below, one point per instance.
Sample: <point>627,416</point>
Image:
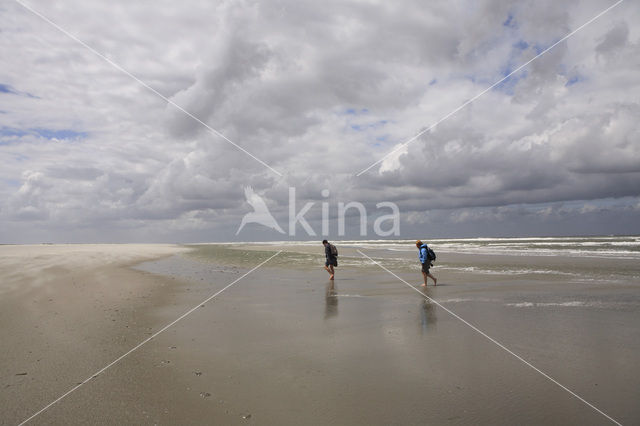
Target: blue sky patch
<point>6,88</point>
<point>510,22</point>
<point>508,86</point>
<point>573,80</point>
<point>354,111</point>
<point>539,48</point>
<point>381,140</point>
<point>60,134</point>
<point>9,132</point>
<point>521,45</point>
<point>63,134</point>
<point>365,126</point>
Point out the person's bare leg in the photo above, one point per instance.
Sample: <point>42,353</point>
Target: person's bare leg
<point>331,271</point>
<point>435,280</point>
<point>424,277</point>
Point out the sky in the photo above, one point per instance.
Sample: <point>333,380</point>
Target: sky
<point>188,104</point>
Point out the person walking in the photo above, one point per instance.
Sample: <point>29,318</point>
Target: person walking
<point>331,254</point>
<point>423,255</point>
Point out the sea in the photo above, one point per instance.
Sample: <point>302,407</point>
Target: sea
<point>618,247</point>
<point>612,259</point>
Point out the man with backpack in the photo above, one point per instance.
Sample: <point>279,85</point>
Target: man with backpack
<point>426,256</point>
<point>331,253</point>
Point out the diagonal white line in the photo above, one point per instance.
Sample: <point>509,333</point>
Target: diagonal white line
<point>417,135</point>
<point>97,373</point>
<point>121,69</point>
<point>496,342</point>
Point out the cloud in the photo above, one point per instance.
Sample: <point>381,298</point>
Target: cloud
<point>319,92</point>
<point>614,40</point>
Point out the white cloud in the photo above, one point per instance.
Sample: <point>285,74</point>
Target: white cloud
<point>319,91</point>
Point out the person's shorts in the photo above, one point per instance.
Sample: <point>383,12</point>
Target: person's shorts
<point>425,267</point>
<point>333,262</point>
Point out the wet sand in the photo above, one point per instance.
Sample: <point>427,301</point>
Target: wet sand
<point>286,346</point>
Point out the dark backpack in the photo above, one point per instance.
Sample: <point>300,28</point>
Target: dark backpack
<point>431,255</point>
<point>334,250</point>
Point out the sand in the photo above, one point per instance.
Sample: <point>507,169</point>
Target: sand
<point>65,312</point>
<point>285,346</point>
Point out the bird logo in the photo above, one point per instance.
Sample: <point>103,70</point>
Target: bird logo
<point>260,213</point>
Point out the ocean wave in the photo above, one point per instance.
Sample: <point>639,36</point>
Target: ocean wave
<point>623,247</point>
<point>346,295</point>
<point>572,304</point>
<point>504,271</point>
<point>467,299</point>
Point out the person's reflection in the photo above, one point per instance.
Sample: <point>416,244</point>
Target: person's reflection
<point>331,299</point>
<point>428,317</point>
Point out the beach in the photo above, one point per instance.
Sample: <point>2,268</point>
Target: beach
<point>283,345</point>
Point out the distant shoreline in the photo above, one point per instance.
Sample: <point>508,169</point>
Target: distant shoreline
<point>315,240</point>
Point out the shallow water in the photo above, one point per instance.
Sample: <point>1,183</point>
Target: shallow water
<point>289,347</point>
<point>602,259</point>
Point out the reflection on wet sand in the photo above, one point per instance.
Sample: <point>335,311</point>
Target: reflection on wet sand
<point>428,318</point>
<point>331,300</point>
